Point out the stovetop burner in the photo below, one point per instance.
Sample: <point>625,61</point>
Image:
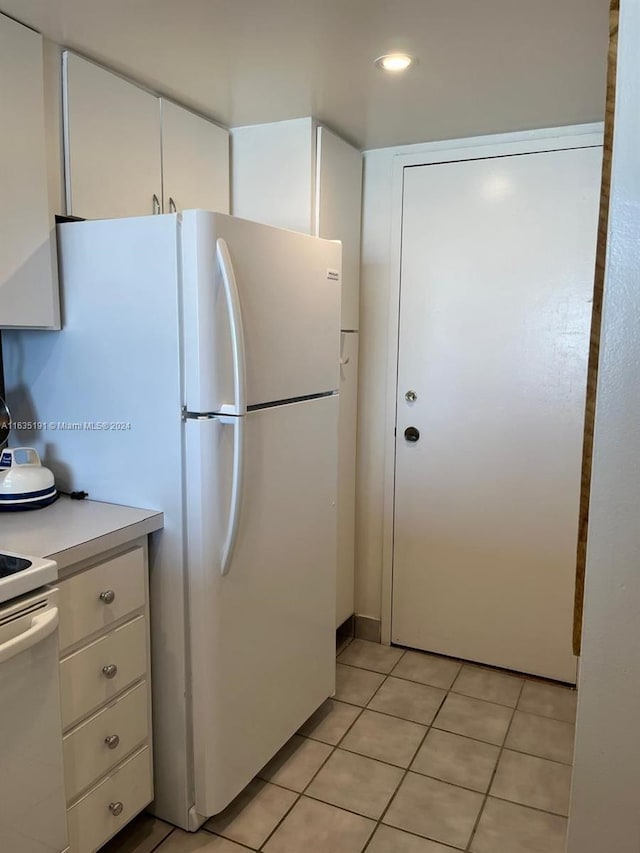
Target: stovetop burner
<point>11,565</point>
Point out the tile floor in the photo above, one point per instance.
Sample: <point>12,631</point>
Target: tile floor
<point>415,754</point>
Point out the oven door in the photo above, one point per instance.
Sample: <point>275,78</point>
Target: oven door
<point>32,799</point>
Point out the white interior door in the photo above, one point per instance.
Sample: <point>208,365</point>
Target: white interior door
<point>497,277</point>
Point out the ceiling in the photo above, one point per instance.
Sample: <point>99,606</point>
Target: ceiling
<point>485,66</point>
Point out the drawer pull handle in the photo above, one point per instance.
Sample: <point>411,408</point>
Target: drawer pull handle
<point>112,741</point>
<point>110,670</point>
<point>116,808</point>
<point>108,596</point>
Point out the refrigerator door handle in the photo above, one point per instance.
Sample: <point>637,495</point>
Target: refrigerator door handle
<point>235,322</point>
<point>236,490</point>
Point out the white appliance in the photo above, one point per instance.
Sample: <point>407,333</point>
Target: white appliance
<point>24,482</point>
<point>32,799</point>
<point>197,373</point>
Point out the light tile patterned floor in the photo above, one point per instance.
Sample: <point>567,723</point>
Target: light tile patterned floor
<point>415,754</point>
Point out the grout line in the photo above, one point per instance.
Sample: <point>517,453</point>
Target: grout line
<point>493,775</point>
<point>224,838</point>
<point>527,806</point>
<point>540,757</point>
<point>158,847</point>
<point>282,819</point>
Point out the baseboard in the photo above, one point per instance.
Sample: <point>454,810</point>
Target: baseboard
<point>368,628</point>
<point>347,628</point>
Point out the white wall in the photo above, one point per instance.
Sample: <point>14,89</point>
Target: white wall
<point>372,381</point>
<point>605,808</point>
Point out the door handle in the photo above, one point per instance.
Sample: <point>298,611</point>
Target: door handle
<point>412,434</point>
<point>156,205</point>
<point>42,626</point>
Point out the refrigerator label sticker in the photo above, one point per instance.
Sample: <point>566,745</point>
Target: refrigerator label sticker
<point>333,275</point>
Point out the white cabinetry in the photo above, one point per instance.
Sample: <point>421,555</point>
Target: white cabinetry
<point>130,153</point>
<point>347,418</point>
<point>28,278</point>
<point>297,175</point>
<point>112,143</point>
<point>105,692</point>
<point>338,212</point>
<point>195,161</point>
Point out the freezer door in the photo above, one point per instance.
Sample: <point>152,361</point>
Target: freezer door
<point>288,294</point>
<point>263,635</point>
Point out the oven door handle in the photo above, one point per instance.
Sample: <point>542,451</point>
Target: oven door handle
<point>42,626</point>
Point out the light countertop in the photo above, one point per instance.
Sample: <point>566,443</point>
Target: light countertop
<point>68,531</point>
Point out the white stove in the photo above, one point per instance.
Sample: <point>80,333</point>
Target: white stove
<point>20,574</point>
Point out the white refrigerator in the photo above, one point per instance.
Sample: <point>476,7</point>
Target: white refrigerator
<point>197,373</point>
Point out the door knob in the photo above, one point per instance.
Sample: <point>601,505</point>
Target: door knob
<point>412,434</point>
<point>411,396</point>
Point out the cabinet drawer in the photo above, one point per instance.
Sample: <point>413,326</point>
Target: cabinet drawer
<point>94,599</point>
<point>84,684</point>
<point>104,740</point>
<point>91,821</point>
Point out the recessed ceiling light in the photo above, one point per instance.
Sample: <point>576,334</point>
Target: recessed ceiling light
<point>395,62</point>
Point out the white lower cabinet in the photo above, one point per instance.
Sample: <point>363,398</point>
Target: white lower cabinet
<point>106,695</point>
<point>111,804</point>
<point>115,731</point>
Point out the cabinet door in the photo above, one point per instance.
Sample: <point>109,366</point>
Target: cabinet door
<point>28,283</point>
<point>195,161</point>
<point>272,173</point>
<point>112,144</point>
<point>347,422</point>
<point>338,212</point>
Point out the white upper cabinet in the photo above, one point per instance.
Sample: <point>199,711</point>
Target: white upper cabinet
<point>273,173</point>
<point>195,161</point>
<point>112,144</point>
<point>28,279</point>
<point>296,175</point>
<point>338,212</point>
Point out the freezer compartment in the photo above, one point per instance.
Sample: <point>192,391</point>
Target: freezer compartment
<point>263,635</point>
<point>288,289</point>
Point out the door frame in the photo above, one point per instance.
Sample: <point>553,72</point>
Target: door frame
<point>471,148</point>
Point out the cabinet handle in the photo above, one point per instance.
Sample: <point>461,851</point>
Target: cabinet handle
<point>172,206</point>
<point>108,596</point>
<point>112,741</point>
<point>110,670</point>
<point>156,204</point>
<point>116,808</point>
